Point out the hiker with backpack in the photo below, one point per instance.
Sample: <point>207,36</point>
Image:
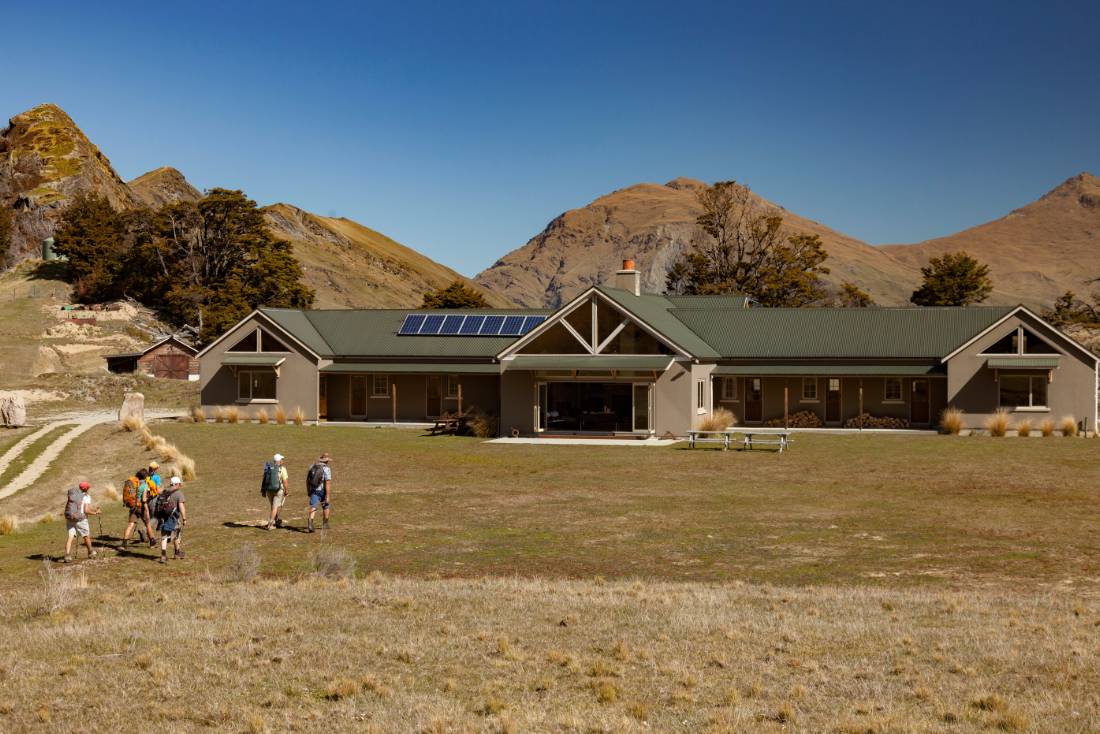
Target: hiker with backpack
<point>154,474</point>
<point>170,511</point>
<point>137,493</point>
<point>319,487</point>
<point>275,487</point>
<point>78,505</point>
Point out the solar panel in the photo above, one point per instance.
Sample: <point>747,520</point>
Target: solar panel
<point>513,326</point>
<point>471,325</point>
<point>431,325</point>
<point>412,324</point>
<point>492,325</point>
<point>451,324</point>
<point>531,322</point>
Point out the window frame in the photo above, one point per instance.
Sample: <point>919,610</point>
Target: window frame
<point>700,397</point>
<point>886,399</point>
<point>1031,407</point>
<point>729,390</point>
<point>1021,351</point>
<point>451,382</point>
<point>251,386</point>
<point>803,398</point>
<point>374,393</point>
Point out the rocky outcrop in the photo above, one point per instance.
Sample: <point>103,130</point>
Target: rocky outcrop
<point>13,410</point>
<point>133,406</point>
<point>163,186</point>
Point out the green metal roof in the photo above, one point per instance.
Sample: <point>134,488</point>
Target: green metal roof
<point>885,370</point>
<point>855,333</point>
<point>1034,362</point>
<point>657,311</point>
<point>253,360</point>
<point>413,368</point>
<point>602,362</point>
<point>373,333</point>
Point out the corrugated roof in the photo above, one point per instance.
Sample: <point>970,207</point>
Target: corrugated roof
<point>373,333</point>
<point>602,362</point>
<point>466,368</point>
<point>827,369</point>
<point>656,310</point>
<point>729,300</point>
<point>889,333</point>
<point>1033,362</point>
<point>253,360</point>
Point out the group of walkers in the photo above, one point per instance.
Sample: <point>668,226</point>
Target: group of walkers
<point>147,501</point>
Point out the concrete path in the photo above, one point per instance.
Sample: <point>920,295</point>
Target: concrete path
<point>81,423</point>
<point>586,441</point>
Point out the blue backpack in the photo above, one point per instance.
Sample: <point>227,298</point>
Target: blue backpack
<point>272,482</point>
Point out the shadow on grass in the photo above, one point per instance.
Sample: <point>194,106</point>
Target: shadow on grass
<point>50,270</point>
<point>262,527</point>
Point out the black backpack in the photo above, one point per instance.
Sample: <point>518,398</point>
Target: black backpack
<point>166,505</point>
<point>315,477</point>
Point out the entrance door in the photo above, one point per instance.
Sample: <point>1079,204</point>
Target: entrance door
<point>832,400</point>
<point>435,396</point>
<point>643,408</point>
<point>754,400</point>
<point>171,366</point>
<point>358,396</point>
<point>919,404</point>
<point>322,398</point>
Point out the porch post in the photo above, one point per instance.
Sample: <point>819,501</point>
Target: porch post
<point>460,398</point>
<point>786,406</point>
<point>861,403</point>
<point>393,396</point>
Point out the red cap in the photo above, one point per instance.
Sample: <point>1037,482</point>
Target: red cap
<point>85,485</point>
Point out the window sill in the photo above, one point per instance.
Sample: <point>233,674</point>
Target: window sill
<point>815,401</point>
<point>893,402</point>
<point>700,411</point>
<point>729,400</point>
<point>1030,410</point>
<point>379,397</point>
<point>257,401</point>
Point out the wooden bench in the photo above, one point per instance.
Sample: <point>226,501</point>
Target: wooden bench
<point>770,438</point>
<point>722,437</point>
<point>780,439</point>
<point>451,424</point>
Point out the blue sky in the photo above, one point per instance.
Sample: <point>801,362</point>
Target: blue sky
<point>462,129</point>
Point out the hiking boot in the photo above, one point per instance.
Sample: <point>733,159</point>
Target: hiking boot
<point>324,524</point>
<point>309,527</point>
<point>164,558</point>
<point>179,554</point>
<point>67,559</point>
<point>270,526</point>
<point>152,542</point>
<point>278,522</point>
<point>92,555</point>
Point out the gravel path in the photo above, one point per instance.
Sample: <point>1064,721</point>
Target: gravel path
<point>81,422</point>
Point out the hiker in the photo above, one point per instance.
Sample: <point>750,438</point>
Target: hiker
<point>78,505</point>
<point>137,493</point>
<point>171,514</point>
<point>275,487</point>
<point>319,486</point>
<point>154,475</point>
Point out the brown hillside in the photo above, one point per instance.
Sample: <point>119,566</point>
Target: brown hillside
<point>654,224</point>
<point>1035,253</point>
<point>164,185</point>
<point>352,266</point>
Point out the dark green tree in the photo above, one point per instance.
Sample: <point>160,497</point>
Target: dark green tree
<point>456,295</point>
<point>95,239</point>
<point>954,279</point>
<point>852,296</point>
<point>742,247</point>
<point>1069,309</point>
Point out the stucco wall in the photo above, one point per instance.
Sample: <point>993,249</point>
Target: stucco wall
<point>674,400</point>
<point>973,387</point>
<point>517,402</point>
<point>295,387</point>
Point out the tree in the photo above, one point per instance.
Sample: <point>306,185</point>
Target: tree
<point>5,230</point>
<point>741,247</point>
<point>955,279</point>
<point>852,296</point>
<point>1069,309</point>
<point>95,239</point>
<point>456,295</point>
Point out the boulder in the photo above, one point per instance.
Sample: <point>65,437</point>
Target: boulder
<point>13,410</point>
<point>133,405</point>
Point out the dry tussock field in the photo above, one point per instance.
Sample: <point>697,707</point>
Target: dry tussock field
<point>384,654</point>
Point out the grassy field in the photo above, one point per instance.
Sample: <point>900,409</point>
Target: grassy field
<point>853,584</point>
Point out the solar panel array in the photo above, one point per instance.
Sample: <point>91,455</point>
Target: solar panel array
<point>420,324</point>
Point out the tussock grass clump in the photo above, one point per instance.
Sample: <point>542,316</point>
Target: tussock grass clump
<point>299,416</point>
<point>262,417</point>
<point>233,414</point>
<point>280,415</point>
<point>1023,428</point>
<point>59,589</point>
<point>186,466</point>
<point>992,702</point>
<point>333,563</point>
<point>133,424</point>
<point>998,423</point>
<point>342,688</point>
<point>952,421</point>
<point>244,564</point>
<point>1047,428</point>
<point>481,424</point>
<point>719,420</point>
<point>1068,426</point>
<point>197,414</point>
<point>219,414</point>
<point>111,493</point>
<point>9,524</point>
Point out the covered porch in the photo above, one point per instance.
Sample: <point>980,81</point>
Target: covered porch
<point>406,393</point>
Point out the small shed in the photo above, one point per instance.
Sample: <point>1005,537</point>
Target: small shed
<point>169,358</point>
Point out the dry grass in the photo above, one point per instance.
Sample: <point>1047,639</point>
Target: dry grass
<point>133,424</point>
<point>262,417</point>
<point>1023,428</point>
<point>408,672</point>
<point>1068,426</point>
<point>280,415</point>
<point>998,423</point>
<point>111,493</point>
<point>9,524</point>
<point>952,421</point>
<point>332,562</point>
<point>299,416</point>
<point>233,414</point>
<point>197,414</point>
<point>719,420</point>
<point>219,414</point>
<point>1046,427</point>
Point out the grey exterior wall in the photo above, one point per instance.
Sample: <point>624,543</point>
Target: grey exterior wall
<point>482,391</point>
<point>673,400</point>
<point>295,387</point>
<point>517,402</point>
<point>973,387</point>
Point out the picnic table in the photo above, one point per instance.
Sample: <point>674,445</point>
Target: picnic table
<point>751,438</point>
<point>448,424</point>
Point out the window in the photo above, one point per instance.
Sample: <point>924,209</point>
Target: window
<point>271,344</point>
<point>452,386</point>
<point>255,385</point>
<point>729,388</point>
<point>1020,341</point>
<point>892,390</point>
<point>809,389</point>
<point>249,344</point>
<point>1023,391</point>
<point>701,396</point>
<point>834,384</point>
<point>1035,345</point>
<point>380,386</point>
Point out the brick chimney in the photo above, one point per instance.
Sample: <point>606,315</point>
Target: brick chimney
<point>629,279</point>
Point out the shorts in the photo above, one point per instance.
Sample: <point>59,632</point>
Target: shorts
<point>277,498</point>
<point>79,527</point>
<point>316,498</point>
<point>137,514</point>
<point>170,525</point>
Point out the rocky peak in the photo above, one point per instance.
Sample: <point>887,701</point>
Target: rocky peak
<point>1083,189</point>
<point>164,185</point>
